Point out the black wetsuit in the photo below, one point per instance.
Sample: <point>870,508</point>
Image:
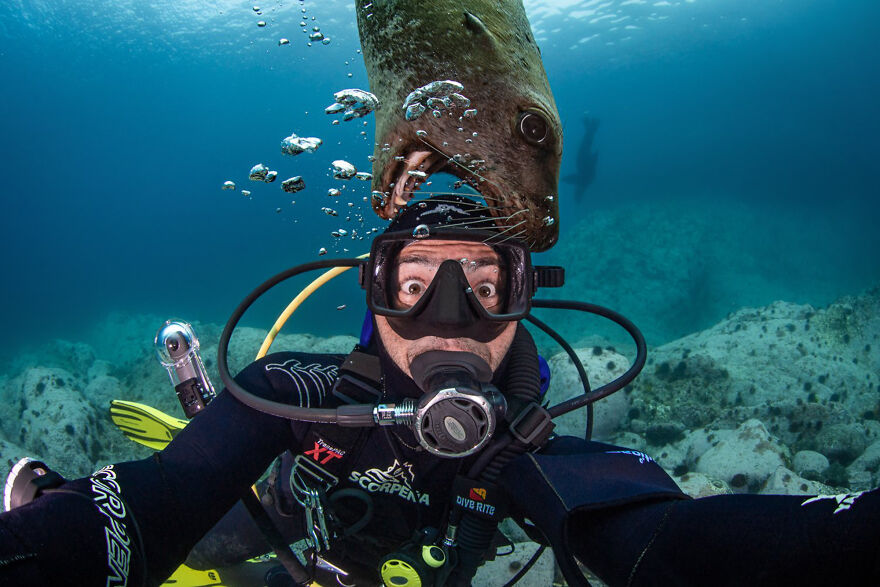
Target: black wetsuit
<point>614,509</point>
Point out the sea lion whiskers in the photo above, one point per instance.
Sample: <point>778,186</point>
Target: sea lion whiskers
<point>509,228</point>
<point>510,236</point>
<point>452,160</point>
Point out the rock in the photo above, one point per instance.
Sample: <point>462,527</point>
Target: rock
<point>664,433</point>
<point>745,459</point>
<point>811,375</point>
<point>99,368</point>
<point>842,443</point>
<point>57,423</point>
<point>602,365</point>
<point>810,464</point>
<point>700,485</point>
<point>11,453</point>
<point>671,457</point>
<point>630,440</point>
<point>101,390</point>
<point>503,568</point>
<point>862,472</point>
<point>786,482</point>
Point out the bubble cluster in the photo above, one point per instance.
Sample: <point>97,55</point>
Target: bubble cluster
<point>343,169</point>
<point>436,96</point>
<point>293,184</point>
<point>329,211</point>
<point>258,172</point>
<point>353,103</point>
<point>294,145</point>
<point>364,176</point>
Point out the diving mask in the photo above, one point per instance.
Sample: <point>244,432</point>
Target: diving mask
<point>449,283</point>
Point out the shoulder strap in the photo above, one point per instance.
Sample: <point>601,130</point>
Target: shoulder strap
<point>328,450</point>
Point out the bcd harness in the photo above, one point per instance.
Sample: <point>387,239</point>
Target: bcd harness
<point>328,454</point>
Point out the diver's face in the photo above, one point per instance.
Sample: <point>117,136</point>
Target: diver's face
<point>418,262</point>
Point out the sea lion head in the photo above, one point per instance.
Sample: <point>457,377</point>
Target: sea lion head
<point>497,130</point>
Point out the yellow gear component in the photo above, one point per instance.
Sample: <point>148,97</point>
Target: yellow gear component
<point>299,299</point>
<point>433,556</point>
<point>185,576</point>
<point>398,573</point>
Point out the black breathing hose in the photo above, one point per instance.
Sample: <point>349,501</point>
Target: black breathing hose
<point>622,381</point>
<point>523,384</point>
<point>347,415</point>
<point>585,381</point>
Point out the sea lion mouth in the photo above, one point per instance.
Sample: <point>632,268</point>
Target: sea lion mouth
<point>410,170</point>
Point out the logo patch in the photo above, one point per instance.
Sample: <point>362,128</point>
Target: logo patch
<point>844,500</point>
<point>643,458</point>
<point>484,500</point>
<point>323,452</point>
<point>395,480</point>
<point>477,493</point>
<point>107,499</point>
<point>307,377</point>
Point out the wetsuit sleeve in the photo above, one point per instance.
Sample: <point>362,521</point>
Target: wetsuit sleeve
<point>617,512</point>
<point>734,540</point>
<point>133,523</point>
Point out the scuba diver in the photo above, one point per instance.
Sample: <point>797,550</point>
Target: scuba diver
<point>401,458</point>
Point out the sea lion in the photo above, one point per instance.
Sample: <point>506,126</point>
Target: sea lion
<point>510,150</point>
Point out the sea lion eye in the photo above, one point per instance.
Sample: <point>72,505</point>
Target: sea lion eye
<point>534,128</point>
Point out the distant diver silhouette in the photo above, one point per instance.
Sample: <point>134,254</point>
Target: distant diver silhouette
<point>586,158</point>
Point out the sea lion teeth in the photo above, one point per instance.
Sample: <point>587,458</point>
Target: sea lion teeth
<point>406,183</point>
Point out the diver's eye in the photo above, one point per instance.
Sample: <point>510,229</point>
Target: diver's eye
<point>534,128</point>
<point>412,287</point>
<point>486,290</point>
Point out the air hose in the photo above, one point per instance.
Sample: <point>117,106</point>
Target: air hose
<point>522,386</point>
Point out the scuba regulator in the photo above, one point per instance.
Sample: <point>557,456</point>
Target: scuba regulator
<point>458,412</point>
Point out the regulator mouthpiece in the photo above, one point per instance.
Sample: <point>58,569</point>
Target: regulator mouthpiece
<point>456,416</point>
<point>177,347</point>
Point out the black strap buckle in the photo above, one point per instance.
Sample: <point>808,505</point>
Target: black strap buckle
<point>549,276</point>
<point>532,426</point>
<point>358,378</point>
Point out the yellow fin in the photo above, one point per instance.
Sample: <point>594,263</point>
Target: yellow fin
<point>144,424</point>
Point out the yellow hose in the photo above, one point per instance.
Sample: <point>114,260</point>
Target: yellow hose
<point>299,299</point>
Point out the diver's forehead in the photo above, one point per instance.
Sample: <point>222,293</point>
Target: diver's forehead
<point>445,249</point>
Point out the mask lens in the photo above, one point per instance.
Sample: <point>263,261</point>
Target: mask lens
<point>418,262</point>
<point>402,270</point>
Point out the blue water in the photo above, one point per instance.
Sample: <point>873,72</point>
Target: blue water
<point>121,121</point>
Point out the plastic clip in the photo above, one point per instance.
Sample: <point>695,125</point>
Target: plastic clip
<point>532,426</point>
